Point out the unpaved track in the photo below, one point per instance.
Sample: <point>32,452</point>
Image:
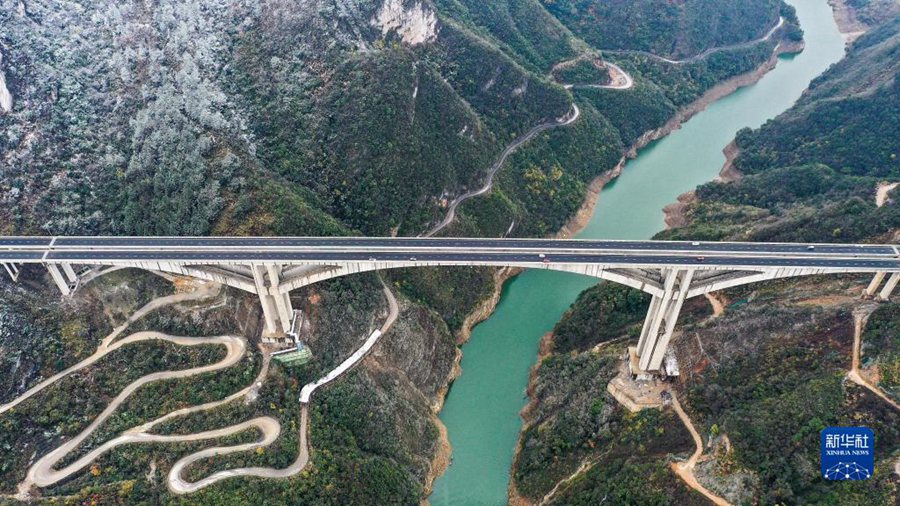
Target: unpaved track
<point>859,323</point>
<point>619,80</point>
<point>860,317</point>
<point>42,473</point>
<point>179,485</point>
<point>705,53</point>
<point>685,470</point>
<point>106,345</point>
<point>270,428</point>
<point>882,191</point>
<point>568,119</point>
<point>718,306</point>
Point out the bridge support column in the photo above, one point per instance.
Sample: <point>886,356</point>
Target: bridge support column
<point>282,300</point>
<point>876,282</point>
<point>889,286</point>
<point>663,315</point>
<point>12,270</point>
<point>265,299</point>
<point>662,344</point>
<point>59,279</point>
<point>658,307</point>
<point>70,273</point>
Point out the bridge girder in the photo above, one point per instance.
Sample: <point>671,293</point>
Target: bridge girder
<point>669,287</point>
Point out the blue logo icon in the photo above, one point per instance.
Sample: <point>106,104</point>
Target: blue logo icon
<point>848,453</point>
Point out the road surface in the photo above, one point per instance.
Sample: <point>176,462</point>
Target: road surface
<point>43,474</point>
<point>454,251</point>
<point>568,119</point>
<point>705,53</point>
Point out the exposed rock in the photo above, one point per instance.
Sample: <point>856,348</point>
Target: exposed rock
<point>415,24</point>
<point>5,95</point>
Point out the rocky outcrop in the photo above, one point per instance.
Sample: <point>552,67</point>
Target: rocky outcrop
<point>5,95</point>
<point>415,24</point>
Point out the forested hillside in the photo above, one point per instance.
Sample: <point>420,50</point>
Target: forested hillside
<point>763,378</point>
<point>811,174</point>
<point>671,29</point>
<point>178,119</point>
<point>310,118</point>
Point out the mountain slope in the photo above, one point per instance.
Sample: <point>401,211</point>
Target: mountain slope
<point>763,378</point>
<point>316,117</point>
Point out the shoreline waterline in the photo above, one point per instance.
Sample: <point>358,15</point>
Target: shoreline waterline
<point>482,412</point>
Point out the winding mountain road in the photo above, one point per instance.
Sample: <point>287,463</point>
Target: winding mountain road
<point>179,485</point>
<point>107,345</point>
<point>621,80</point>
<point>705,53</point>
<point>568,119</point>
<point>43,474</point>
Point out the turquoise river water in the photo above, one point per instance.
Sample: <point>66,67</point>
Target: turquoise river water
<point>482,410</point>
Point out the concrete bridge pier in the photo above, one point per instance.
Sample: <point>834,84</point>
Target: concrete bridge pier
<point>874,284</point>
<point>282,300</point>
<point>69,272</point>
<point>13,270</point>
<point>276,305</point>
<point>58,278</point>
<point>659,325</point>
<point>265,300</point>
<point>889,286</point>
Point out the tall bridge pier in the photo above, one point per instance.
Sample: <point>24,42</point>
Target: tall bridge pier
<point>276,305</point>
<point>13,270</point>
<point>671,272</point>
<point>661,317</point>
<point>888,289</point>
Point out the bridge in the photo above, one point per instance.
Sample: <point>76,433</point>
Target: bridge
<point>271,267</point>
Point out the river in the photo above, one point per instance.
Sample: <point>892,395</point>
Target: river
<point>482,410</point>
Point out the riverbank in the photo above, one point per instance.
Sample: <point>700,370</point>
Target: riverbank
<point>729,172</point>
<point>674,212</point>
<point>847,21</point>
<point>545,347</point>
<point>552,297</point>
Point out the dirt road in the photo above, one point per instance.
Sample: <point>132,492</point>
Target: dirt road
<point>881,193</point>
<point>106,345</point>
<point>43,474</point>
<point>568,119</point>
<point>685,470</point>
<point>859,323</point>
<point>704,54</point>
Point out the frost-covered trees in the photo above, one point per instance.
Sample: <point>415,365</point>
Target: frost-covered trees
<point>122,125</point>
